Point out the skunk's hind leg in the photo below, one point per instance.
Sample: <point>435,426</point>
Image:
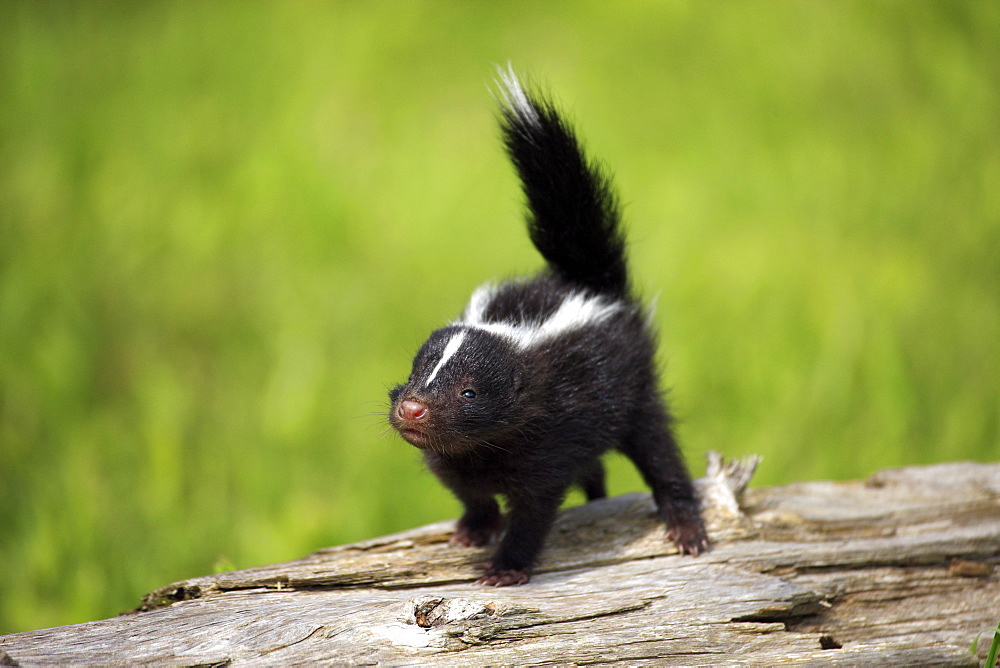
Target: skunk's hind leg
<point>590,478</point>
<point>651,446</point>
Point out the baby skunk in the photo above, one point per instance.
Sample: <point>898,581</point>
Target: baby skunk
<point>522,394</point>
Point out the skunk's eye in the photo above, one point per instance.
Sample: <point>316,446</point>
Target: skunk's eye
<point>468,394</point>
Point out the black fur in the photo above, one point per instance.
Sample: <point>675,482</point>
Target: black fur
<point>515,400</point>
<point>573,213</point>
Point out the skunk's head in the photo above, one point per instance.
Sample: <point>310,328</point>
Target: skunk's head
<point>463,393</point>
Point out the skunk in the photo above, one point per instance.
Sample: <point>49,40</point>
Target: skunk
<point>521,395</point>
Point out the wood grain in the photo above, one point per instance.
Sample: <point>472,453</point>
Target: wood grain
<point>899,569</point>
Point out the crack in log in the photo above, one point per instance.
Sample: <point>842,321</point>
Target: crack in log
<point>804,607</point>
<point>166,596</point>
<point>509,625</point>
<point>294,642</point>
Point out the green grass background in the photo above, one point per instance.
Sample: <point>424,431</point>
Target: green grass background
<point>225,227</point>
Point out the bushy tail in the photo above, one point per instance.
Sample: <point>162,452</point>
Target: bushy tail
<point>574,218</point>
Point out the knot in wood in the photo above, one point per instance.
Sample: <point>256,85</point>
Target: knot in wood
<point>435,611</point>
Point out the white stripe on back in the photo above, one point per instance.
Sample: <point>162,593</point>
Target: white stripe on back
<point>576,311</point>
<point>480,299</point>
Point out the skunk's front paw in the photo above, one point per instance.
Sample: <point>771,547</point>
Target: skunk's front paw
<point>689,536</point>
<point>502,577</point>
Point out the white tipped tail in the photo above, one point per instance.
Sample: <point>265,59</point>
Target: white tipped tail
<point>513,98</point>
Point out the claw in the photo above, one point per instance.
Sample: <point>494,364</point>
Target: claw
<point>503,578</point>
<point>689,538</point>
<point>475,536</point>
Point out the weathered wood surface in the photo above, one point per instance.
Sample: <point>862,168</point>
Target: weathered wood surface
<point>900,569</point>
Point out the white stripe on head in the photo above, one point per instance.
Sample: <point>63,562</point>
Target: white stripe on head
<point>514,98</point>
<point>449,351</point>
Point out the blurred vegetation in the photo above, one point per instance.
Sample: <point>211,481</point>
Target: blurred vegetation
<point>225,227</point>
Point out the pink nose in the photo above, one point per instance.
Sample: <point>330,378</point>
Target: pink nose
<point>412,411</point>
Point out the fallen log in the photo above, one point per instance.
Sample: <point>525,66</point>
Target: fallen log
<point>898,569</point>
